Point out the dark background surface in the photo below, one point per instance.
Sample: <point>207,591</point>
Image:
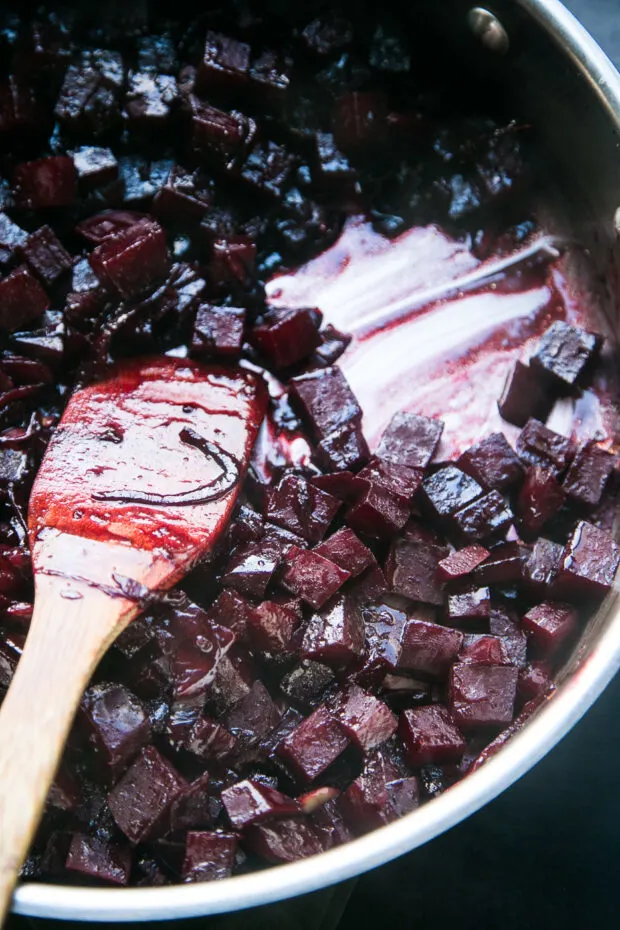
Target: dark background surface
<point>543,856</point>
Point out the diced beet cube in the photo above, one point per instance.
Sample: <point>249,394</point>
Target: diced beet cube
<point>192,808</point>
<point>285,840</point>
<point>252,567</point>
<point>131,261</point>
<point>149,99</point>
<point>208,856</point>
<point>427,648</point>
<point>366,720</point>
<point>474,604</point>
<point>110,223</point>
<point>411,570</point>
<point>298,506</point>
<point>505,624</point>
<point>541,496</point>
<point>334,169</point>
<point>46,255</point>
<point>22,300</point>
<point>250,802</point>
<point>98,859</point>
<point>486,518</point>
<point>230,610</point>
<point>588,565</point>
<point>267,169</point>
<point>253,717</point>
<point>117,724</point>
<point>210,741</point>
<point>448,490</point>
<point>461,563</point>
<point>325,400</point>
<point>12,238</point>
<point>345,549</point>
<point>66,791</point>
<point>384,626</point>
<point>95,166</point>
<point>313,745</point>
<point>328,821</point>
<point>285,337</point>
<point>565,352</point>
<point>185,196</point>
<point>504,565</point>
<point>268,78</point>
<point>343,485</point>
<point>345,449</point>
<point>378,795</point>
<point>218,332</point>
<point>482,695</point>
<point>430,734</point>
<point>480,649</point>
<point>232,261</point>
<point>534,681</point>
<point>307,682</point>
<point>525,394</point>
<point>550,624</point>
<point>141,800</point>
<point>225,63</point>
<point>400,481</point>
<point>378,512</point>
<point>541,566</point>
<point>588,474</point>
<point>48,182</point>
<point>336,634</point>
<point>272,626</point>
<point>360,120</point>
<point>492,462</point>
<point>217,134</point>
<point>539,445</point>
<point>311,576</point>
<point>410,440</point>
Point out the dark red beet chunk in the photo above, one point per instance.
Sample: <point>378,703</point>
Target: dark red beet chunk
<point>193,808</point>
<point>588,565</point>
<point>225,63</point>
<point>541,566</point>
<point>253,717</point>
<point>448,490</point>
<point>272,626</point>
<point>48,182</point>
<point>141,800</point>
<point>550,624</point>
<point>539,445</point>
<point>219,135</point>
<point>492,462</point>
<point>117,724</point>
<point>184,197</point>
<point>325,400</point>
<point>367,721</point>
<point>298,506</point>
<point>468,606</point>
<point>384,630</point>
<point>311,576</point>
<point>534,681</point>
<point>218,332</point>
<point>428,649</point>
<point>540,498</point>
<point>232,611</point>
<point>505,624</point>
<point>378,512</point>
<point>98,859</point>
<point>482,695</point>
<point>131,261</point>
<point>379,795</point>
<point>411,570</point>
<point>504,565</point>
<point>345,449</point>
<point>526,394</point>
<point>12,238</point>
<point>399,481</point>
<point>487,518</point>
<point>306,683</point>
<point>94,166</point>
<point>252,567</point>
<point>22,300</point>
<point>111,223</point>
<point>410,440</point>
<point>250,802</point>
<point>461,563</point>
<point>208,856</point>
<point>565,352</point>
<point>232,262</point>
<point>345,549</point>
<point>313,745</point>
<point>588,474</point>
<point>210,741</point>
<point>484,650</point>
<point>430,734</point>
<point>46,255</point>
<point>285,337</point>
<point>336,634</point>
<point>285,840</point>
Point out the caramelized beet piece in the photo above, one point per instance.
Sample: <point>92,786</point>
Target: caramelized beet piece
<point>492,462</point>
<point>588,474</point>
<point>22,300</point>
<point>430,734</point>
<point>448,490</point>
<point>486,518</point>
<point>208,856</point>
<point>427,648</point>
<point>307,682</point>
<point>539,445</point>
<point>541,566</point>
<point>46,256</point>
<point>411,570</point>
<point>367,721</point>
<point>311,576</point>
<point>504,565</point>
<point>285,840</point>
<point>313,745</point>
<point>550,624</point>
<point>298,506</point>
<point>131,261</point>
<point>461,563</point>
<point>116,722</point>
<point>525,395</point>
<point>469,605</point>
<point>225,63</point>
<point>484,650</point>
<point>250,802</point>
<point>141,800</point>
<point>272,626</point>
<point>12,238</point>
<point>218,332</point>
<point>209,740</point>
<point>345,549</point>
<point>482,695</point>
<point>48,182</point>
<point>336,634</point>
<point>94,166</point>
<point>285,337</point>
<point>588,565</point>
<point>345,449</point>
<point>325,400</point>
<point>565,352</point>
<point>540,498</point>
<point>99,859</point>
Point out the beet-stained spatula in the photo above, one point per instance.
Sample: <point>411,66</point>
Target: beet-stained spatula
<point>136,485</point>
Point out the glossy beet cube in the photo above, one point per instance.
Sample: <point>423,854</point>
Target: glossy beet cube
<point>366,720</point>
<point>411,570</point>
<point>550,624</point>
<point>132,261</point>
<point>541,496</point>
<point>325,400</point>
<point>254,717</point>
<point>410,440</point>
<point>12,238</point>
<point>22,300</point>
<point>149,99</point>
<point>400,481</point>
<point>284,840</point>
<point>141,800</point>
<point>314,745</point>
<point>347,550</point>
<point>218,332</point>
<point>225,63</point>
<point>427,648</point>
<point>267,170</point>
<point>448,490</point>
<point>209,740</point>
<point>250,802</point>
<point>534,681</point>
<point>48,182</point>
<point>336,634</point>
<point>378,795</point>
<point>588,565</point>
<point>185,197</point>
<point>504,565</point>
<point>98,859</point>
<point>110,223</point>
<point>485,519</point>
<point>232,611</point>
<point>116,723</point>
<point>525,394</point>
<point>430,734</point>
<point>378,513</point>
<point>95,166</point>
<point>232,261</point>
<point>311,576</point>
<point>505,624</point>
<point>285,337</point>
<point>540,567</point>
<point>492,462</point>
<point>565,353</point>
<point>300,507</point>
<point>384,626</point>
<point>306,683</point>
<point>539,445</point>
<point>46,256</point>
<point>209,856</point>
<point>192,809</point>
<point>345,449</point>
<point>482,695</point>
<point>219,135</point>
<point>588,474</point>
<point>480,649</point>
<point>252,567</point>
<point>461,563</point>
<point>272,626</point>
<point>469,606</point>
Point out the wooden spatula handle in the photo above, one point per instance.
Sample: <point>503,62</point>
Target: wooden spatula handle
<point>64,644</point>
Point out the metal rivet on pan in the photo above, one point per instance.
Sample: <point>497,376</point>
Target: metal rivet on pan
<point>487,27</point>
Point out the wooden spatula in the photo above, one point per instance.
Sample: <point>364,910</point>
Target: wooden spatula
<point>137,484</point>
